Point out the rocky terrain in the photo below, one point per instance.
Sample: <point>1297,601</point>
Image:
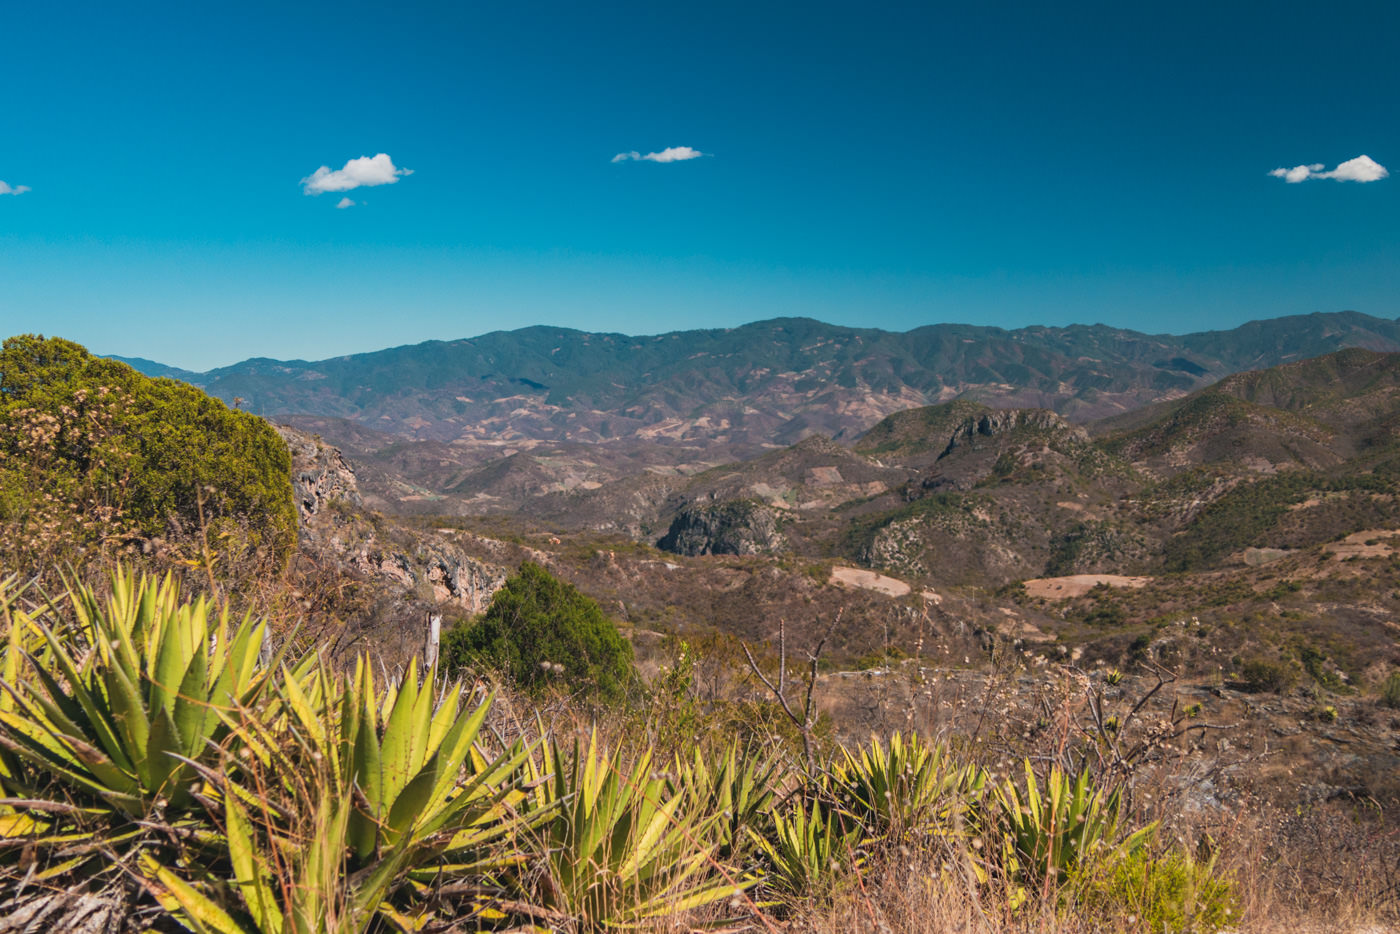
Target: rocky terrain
<point>1244,537</point>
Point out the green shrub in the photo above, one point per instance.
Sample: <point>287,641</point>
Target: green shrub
<point>1166,892</point>
<point>1390,690</point>
<point>1265,675</point>
<point>90,448</point>
<point>541,630</point>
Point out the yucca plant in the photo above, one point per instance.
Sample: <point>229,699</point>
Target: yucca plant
<point>622,846</point>
<point>351,802</point>
<point>1048,834</point>
<point>806,851</point>
<point>905,788</point>
<point>116,704</point>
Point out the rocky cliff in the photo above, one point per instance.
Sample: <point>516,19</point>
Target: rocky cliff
<point>740,527</point>
<point>423,567</point>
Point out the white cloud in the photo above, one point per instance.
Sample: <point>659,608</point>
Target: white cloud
<point>1297,173</point>
<point>344,203</point>
<point>1361,169</point>
<point>670,154</point>
<point>364,171</point>
<point>13,190</point>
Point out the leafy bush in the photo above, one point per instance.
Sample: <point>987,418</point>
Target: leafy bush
<point>1166,892</point>
<point>89,446</point>
<point>539,629</point>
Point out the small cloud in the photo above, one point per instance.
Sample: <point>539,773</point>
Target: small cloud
<point>365,171</point>
<point>1297,173</point>
<point>1361,169</point>
<point>13,190</point>
<point>671,154</point>
<point>344,203</point>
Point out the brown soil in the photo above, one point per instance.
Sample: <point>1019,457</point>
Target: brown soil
<point>1077,585</point>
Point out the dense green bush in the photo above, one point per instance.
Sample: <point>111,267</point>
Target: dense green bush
<point>90,448</point>
<point>541,630</point>
<point>1162,892</point>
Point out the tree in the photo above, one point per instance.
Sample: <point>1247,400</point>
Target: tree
<point>540,630</point>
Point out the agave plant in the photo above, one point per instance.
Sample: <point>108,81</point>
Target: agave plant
<point>905,788</point>
<point>622,846</point>
<point>118,704</point>
<point>351,797</point>
<point>737,788</point>
<point>806,852</point>
<point>1049,834</point>
<point>21,638</point>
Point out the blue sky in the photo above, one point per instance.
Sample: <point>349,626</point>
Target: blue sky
<point>885,165</point>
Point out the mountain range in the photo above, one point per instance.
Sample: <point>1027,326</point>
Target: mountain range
<point>765,384</point>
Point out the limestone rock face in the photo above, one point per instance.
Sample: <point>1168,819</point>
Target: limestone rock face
<point>1004,421</point>
<point>739,527</point>
<point>424,567</point>
<point>320,474</point>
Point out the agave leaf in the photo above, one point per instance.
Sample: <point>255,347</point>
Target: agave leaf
<point>129,717</point>
<point>190,709</point>
<point>644,847</point>
<point>173,655</point>
<point>185,901</point>
<point>412,803</point>
<point>96,717</point>
<point>248,870</point>
<point>162,745</point>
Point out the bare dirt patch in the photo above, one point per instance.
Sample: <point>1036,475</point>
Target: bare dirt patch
<point>1373,543</point>
<point>1077,585</point>
<point>869,580</point>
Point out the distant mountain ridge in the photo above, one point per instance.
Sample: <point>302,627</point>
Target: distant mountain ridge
<point>771,382</point>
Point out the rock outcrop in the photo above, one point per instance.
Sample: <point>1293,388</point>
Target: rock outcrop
<point>333,526</point>
<point>1000,422</point>
<point>736,527</point>
<point>320,475</point>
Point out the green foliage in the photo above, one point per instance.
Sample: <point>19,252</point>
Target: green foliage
<point>622,846</point>
<point>540,630</point>
<point>1267,675</point>
<point>1167,892</point>
<point>1390,690</point>
<point>121,700</point>
<point>1048,835</point>
<point>1248,513</point>
<point>905,789</point>
<point>86,435</point>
